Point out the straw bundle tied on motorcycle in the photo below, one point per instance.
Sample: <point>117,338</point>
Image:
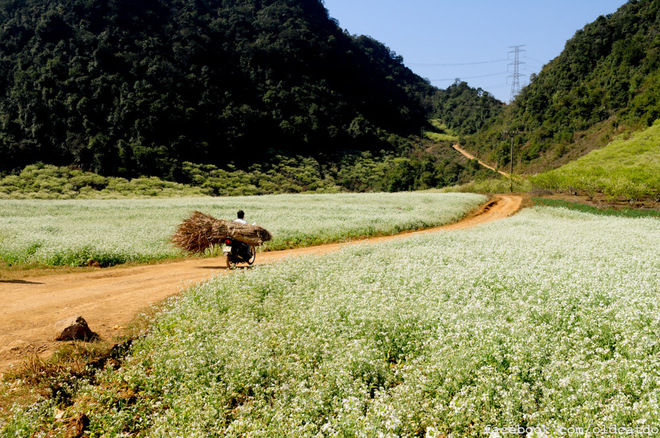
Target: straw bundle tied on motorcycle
<point>200,231</point>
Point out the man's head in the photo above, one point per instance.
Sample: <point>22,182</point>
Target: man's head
<point>240,214</point>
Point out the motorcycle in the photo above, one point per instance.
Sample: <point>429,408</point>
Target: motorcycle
<point>238,252</point>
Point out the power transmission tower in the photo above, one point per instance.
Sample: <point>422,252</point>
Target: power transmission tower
<point>515,86</point>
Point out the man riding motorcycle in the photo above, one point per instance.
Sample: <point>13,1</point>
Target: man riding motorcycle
<point>239,252</point>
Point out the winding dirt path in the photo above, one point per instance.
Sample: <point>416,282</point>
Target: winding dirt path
<point>469,156</point>
<point>112,297</point>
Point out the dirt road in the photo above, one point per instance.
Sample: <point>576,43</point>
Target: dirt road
<point>469,156</point>
<point>112,297</point>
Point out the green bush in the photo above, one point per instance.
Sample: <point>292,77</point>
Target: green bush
<point>45,181</point>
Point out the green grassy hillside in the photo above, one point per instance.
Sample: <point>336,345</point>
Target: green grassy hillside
<point>627,168</point>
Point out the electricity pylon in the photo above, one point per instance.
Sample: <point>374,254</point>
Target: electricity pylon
<point>515,86</point>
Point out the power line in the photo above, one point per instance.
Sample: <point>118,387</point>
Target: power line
<point>518,67</point>
<point>469,77</point>
<point>536,60</point>
<point>457,64</point>
<point>494,86</point>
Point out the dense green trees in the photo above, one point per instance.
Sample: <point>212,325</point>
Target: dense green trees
<point>126,88</point>
<point>465,110</point>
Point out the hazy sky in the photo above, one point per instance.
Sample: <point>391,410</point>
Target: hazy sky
<point>442,40</point>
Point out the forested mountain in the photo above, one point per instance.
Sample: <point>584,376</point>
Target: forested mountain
<point>607,76</point>
<point>126,87</point>
<point>464,109</point>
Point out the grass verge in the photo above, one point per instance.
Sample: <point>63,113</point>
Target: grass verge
<point>628,212</point>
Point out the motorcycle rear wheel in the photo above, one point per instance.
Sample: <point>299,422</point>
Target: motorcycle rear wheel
<point>231,264</point>
<point>253,255</point>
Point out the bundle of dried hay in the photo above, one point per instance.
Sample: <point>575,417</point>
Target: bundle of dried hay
<point>198,232</point>
<point>250,234</point>
<point>201,231</point>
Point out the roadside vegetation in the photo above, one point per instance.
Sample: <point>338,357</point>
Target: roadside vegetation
<point>110,232</point>
<point>445,344</point>
<point>499,184</point>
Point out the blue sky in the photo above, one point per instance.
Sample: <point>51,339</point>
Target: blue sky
<point>443,40</point>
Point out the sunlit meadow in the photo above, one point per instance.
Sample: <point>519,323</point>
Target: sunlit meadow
<point>73,232</point>
<point>548,321</point>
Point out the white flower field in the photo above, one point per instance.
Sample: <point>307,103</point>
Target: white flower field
<point>545,324</point>
<point>72,232</point>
